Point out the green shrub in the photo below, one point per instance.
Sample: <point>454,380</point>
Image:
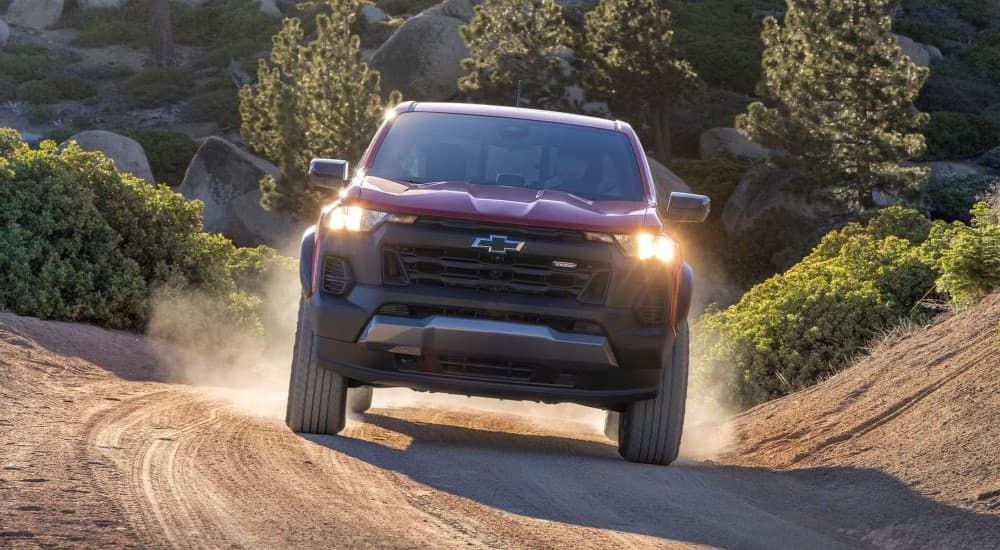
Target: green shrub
<point>721,40</point>
<point>951,199</point>
<point>41,114</point>
<point>959,135</point>
<point>220,105</point>
<point>402,7</point>
<point>51,90</point>
<point>169,153</point>
<point>128,25</point>
<point>716,177</point>
<point>806,323</point>
<point>21,67</point>
<point>84,242</point>
<point>37,92</point>
<point>970,265</point>
<point>107,72</point>
<point>156,87</point>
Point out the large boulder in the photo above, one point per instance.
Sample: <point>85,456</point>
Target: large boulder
<point>666,180</point>
<point>35,14</point>
<point>423,57</point>
<point>921,54</point>
<point>729,141</point>
<point>226,178</point>
<point>270,7</point>
<point>372,14</point>
<point>128,155</point>
<point>764,192</point>
<point>953,168</point>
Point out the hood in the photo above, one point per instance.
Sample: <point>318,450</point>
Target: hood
<point>504,205</point>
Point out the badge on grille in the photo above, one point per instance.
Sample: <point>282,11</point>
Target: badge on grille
<point>562,264</point>
<point>498,244</point>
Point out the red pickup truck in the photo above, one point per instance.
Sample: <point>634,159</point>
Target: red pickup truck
<point>499,252</point>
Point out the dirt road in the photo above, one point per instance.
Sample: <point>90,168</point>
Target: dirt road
<point>94,451</point>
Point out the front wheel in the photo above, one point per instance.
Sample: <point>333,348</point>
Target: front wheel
<point>650,431</point>
<point>317,397</point>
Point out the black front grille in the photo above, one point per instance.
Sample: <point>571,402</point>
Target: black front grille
<point>561,324</point>
<point>516,273</point>
<point>336,275</point>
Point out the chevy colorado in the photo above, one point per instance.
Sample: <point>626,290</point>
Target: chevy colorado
<point>499,252</point>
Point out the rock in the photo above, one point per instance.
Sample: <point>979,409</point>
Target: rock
<point>729,141</point>
<point>4,34</point>
<point>128,155</point>
<point>270,7</point>
<point>991,159</point>
<point>90,4</point>
<point>36,14</point>
<point>763,191</point>
<point>666,181</point>
<point>372,14</point>
<point>226,178</point>
<point>921,54</point>
<point>423,57</point>
<point>953,168</point>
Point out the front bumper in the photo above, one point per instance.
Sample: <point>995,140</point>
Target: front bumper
<point>494,355</point>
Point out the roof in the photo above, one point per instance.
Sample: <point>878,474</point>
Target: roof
<point>512,112</point>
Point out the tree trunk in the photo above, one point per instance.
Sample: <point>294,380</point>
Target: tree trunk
<point>162,35</point>
<point>661,135</point>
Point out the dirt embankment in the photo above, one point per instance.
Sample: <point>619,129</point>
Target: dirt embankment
<point>98,447</point>
<point>923,406</point>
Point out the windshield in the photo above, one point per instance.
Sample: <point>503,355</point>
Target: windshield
<point>591,163</point>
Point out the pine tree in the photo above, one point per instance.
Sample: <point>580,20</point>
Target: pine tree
<point>161,33</point>
<point>315,98</point>
<point>841,98</point>
<point>512,41</point>
<point>635,67</point>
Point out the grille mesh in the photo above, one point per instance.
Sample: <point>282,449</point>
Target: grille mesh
<point>336,275</point>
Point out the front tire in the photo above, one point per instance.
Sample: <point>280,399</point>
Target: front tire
<point>650,431</point>
<point>317,397</point>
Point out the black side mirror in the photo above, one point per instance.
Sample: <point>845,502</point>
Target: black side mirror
<point>687,207</point>
<point>329,173</point>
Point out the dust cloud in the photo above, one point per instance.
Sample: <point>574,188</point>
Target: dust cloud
<point>249,369</point>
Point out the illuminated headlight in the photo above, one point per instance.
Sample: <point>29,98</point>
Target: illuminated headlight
<point>356,218</point>
<point>644,246</point>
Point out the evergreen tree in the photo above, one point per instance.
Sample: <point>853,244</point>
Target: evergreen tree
<point>512,41</point>
<point>315,98</point>
<point>842,98</point>
<point>635,67</point>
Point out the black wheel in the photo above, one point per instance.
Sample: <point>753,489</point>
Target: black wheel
<point>650,431</point>
<point>359,400</point>
<point>317,397</point>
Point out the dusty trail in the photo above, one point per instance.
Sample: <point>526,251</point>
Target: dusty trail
<point>94,453</point>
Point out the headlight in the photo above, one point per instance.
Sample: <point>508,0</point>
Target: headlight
<point>643,245</point>
<point>355,218</point>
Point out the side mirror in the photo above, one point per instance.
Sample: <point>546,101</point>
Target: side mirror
<point>329,173</point>
<point>687,207</point>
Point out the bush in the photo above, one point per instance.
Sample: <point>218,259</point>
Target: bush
<point>806,323</point>
<point>128,25</point>
<point>156,87</point>
<point>959,135</point>
<point>220,105</point>
<point>107,72</point>
<point>51,90</point>
<point>41,114</point>
<point>24,65</point>
<point>721,40</point>
<point>169,153</point>
<point>86,243</point>
<point>951,199</point>
<point>970,266</point>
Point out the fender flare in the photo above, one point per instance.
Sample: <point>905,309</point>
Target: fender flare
<point>306,258</point>
<point>685,291</point>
